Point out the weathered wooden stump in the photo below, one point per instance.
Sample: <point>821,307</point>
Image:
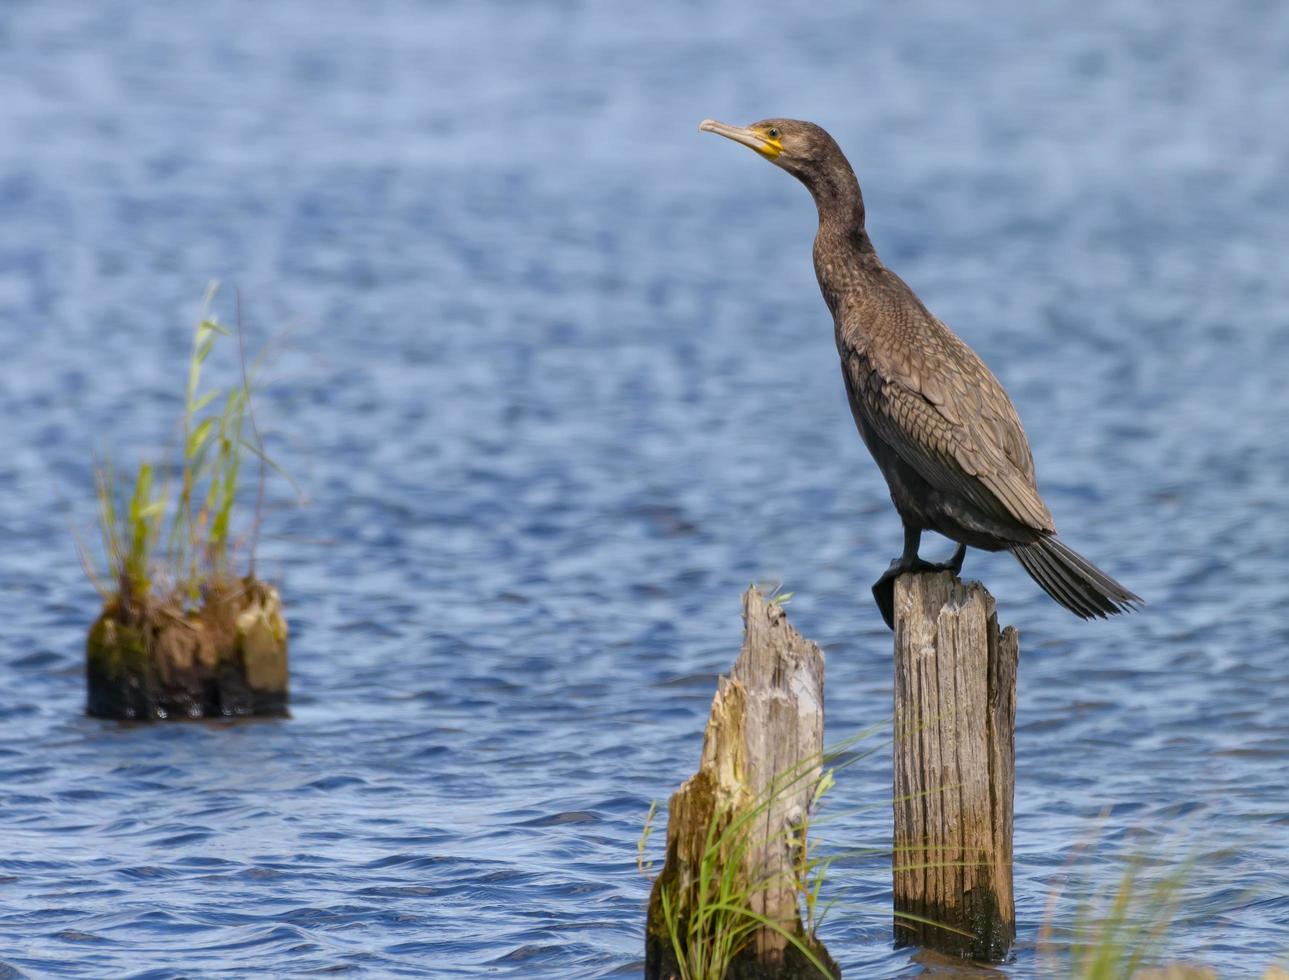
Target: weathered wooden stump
<point>150,661</point>
<point>745,813</point>
<point>955,751</point>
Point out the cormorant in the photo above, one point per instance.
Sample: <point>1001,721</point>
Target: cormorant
<point>938,423</point>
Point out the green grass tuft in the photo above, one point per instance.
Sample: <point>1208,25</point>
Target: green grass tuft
<point>711,924</point>
<point>200,508</point>
<point>1122,929</point>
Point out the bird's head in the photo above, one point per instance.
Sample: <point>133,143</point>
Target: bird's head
<point>803,149</point>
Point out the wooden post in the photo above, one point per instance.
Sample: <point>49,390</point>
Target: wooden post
<point>751,796</point>
<point>147,660</point>
<point>954,754</point>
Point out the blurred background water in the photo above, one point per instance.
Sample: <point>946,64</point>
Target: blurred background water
<point>554,372</point>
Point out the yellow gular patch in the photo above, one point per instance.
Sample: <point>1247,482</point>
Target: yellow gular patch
<point>771,148</point>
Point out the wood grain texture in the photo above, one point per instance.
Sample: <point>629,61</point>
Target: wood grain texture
<point>763,742</point>
<point>954,762</point>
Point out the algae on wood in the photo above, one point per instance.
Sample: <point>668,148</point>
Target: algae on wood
<point>745,812</point>
<point>954,758</point>
<point>151,661</point>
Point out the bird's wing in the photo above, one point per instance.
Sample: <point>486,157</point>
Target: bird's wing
<point>934,402</point>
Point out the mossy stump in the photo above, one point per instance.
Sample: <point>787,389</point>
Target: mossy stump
<point>761,763</point>
<point>955,767</point>
<point>148,660</point>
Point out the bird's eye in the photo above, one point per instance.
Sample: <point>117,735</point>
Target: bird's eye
<point>773,133</point>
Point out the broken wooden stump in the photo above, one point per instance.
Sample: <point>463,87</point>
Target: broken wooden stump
<point>150,660</point>
<point>738,825</point>
<point>954,760</point>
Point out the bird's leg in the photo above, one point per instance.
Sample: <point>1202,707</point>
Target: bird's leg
<point>884,587</point>
<point>954,564</point>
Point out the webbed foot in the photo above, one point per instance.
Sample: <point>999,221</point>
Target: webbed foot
<point>884,587</point>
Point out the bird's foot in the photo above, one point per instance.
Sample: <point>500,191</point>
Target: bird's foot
<point>884,587</point>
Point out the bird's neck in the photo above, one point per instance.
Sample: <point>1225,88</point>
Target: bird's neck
<point>841,205</point>
<point>844,254</point>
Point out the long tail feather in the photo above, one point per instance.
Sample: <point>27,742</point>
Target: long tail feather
<point>1072,580</point>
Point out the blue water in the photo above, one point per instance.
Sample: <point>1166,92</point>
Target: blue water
<point>553,371</point>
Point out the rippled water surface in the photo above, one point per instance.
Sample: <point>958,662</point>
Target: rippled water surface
<point>554,372</point>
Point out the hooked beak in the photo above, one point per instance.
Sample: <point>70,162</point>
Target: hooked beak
<point>741,134</point>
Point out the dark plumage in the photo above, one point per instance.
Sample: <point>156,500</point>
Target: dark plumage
<point>938,423</point>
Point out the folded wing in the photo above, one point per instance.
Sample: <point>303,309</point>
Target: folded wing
<point>937,405</point>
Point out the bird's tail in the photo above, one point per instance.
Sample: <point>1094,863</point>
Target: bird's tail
<point>1072,580</point>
